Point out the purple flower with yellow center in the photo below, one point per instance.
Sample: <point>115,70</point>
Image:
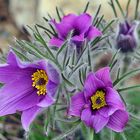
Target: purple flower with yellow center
<point>80,25</point>
<point>126,40</point>
<point>28,88</point>
<point>99,104</point>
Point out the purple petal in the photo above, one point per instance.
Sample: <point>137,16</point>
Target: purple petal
<point>77,103</point>
<point>62,28</point>
<point>93,32</point>
<point>99,122</point>
<point>118,121</point>
<point>70,18</point>
<point>107,110</point>
<point>47,101</point>
<point>52,74</point>
<point>86,116</point>
<point>126,43</point>
<point>56,42</point>
<point>104,75</point>
<point>132,29</point>
<point>18,96</point>
<point>92,84</point>
<point>83,22</point>
<point>12,59</point>
<point>28,116</point>
<point>113,99</point>
<point>124,28</point>
<point>51,88</point>
<point>78,38</point>
<point>10,73</point>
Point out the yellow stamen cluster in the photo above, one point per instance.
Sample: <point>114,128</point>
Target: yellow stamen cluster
<point>98,100</point>
<point>40,80</point>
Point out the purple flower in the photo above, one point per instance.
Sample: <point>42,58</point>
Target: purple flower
<point>80,25</point>
<point>99,104</point>
<point>28,88</point>
<point>126,40</point>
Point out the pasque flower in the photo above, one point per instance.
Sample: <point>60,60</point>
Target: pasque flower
<point>28,88</point>
<point>99,104</point>
<point>80,25</point>
<point>126,40</point>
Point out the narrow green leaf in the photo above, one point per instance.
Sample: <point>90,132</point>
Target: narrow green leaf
<point>118,73</point>
<point>32,47</point>
<point>108,25</point>
<point>97,23</point>
<point>81,54</point>
<point>119,6</point>
<point>80,78</point>
<point>75,69</point>
<point>58,14</point>
<point>125,76</point>
<point>55,106</point>
<point>97,13</point>
<point>67,61</point>
<point>50,25</point>
<point>136,9</point>
<point>44,28</point>
<point>96,40</point>
<point>43,42</point>
<point>22,56</point>
<point>35,48</point>
<point>47,121</point>
<point>113,58</point>
<point>48,35</point>
<point>73,57</point>
<point>111,3</point>
<point>61,48</point>
<point>28,49</point>
<point>128,88</point>
<point>86,8</point>
<point>127,8</point>
<point>89,59</point>
<point>67,81</point>
<point>65,58</point>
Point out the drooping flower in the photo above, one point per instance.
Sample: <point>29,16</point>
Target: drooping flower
<point>28,88</point>
<point>126,40</point>
<point>82,28</point>
<point>99,104</point>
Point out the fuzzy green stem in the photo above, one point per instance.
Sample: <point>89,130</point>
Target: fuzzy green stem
<point>91,134</point>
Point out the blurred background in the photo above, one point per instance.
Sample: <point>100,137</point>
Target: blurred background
<point>16,14</point>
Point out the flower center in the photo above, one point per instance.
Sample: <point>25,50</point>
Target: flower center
<point>98,100</point>
<point>40,80</point>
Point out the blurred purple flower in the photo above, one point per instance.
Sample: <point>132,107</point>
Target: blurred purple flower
<point>80,25</point>
<point>126,40</point>
<point>27,88</point>
<point>99,104</point>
